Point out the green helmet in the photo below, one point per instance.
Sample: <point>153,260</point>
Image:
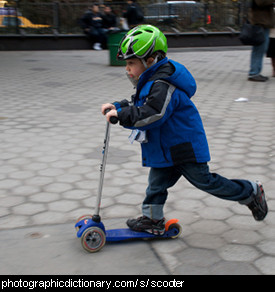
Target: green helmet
<point>142,41</point>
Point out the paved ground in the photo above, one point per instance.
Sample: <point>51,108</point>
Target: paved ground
<point>50,151</point>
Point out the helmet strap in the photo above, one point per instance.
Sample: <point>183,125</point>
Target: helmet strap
<point>144,63</point>
<point>153,63</point>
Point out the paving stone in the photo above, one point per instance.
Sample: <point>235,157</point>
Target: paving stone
<point>129,199</point>
<point>76,194</point>
<point>13,221</point>
<point>29,209</point>
<point>26,190</point>
<point>267,247</point>
<point>44,197</point>
<point>69,178</point>
<point>186,269</point>
<point>51,172</point>
<point>235,252</point>
<point>215,213</point>
<point>63,206</point>
<point>21,174</point>
<point>233,268</point>
<point>116,211</point>
<point>188,205</point>
<point>4,211</point>
<point>39,180</point>
<point>58,187</point>
<point>197,257</point>
<point>209,227</point>
<point>9,201</point>
<point>49,217</point>
<point>266,264</point>
<point>204,240</point>
<point>244,222</point>
<point>9,183</point>
<point>242,236</point>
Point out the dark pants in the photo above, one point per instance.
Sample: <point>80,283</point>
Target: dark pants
<point>98,35</point>
<point>257,56</point>
<point>160,179</point>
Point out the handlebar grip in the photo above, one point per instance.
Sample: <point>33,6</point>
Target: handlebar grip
<point>113,119</point>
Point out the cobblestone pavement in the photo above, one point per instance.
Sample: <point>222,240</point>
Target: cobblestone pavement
<point>50,150</point>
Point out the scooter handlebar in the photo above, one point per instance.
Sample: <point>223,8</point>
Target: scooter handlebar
<point>113,119</point>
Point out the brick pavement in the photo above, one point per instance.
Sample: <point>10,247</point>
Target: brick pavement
<point>50,151</point>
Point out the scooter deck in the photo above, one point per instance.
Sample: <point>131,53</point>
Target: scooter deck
<point>127,234</point>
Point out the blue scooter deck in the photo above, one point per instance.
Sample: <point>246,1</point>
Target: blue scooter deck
<point>122,233</point>
<point>127,234</point>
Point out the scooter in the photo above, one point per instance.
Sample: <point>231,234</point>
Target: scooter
<point>92,231</point>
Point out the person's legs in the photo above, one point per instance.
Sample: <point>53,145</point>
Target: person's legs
<point>199,175</point>
<point>245,192</point>
<point>160,179</point>
<point>102,38</point>
<point>152,221</point>
<point>96,38</point>
<point>257,55</point>
<point>273,66</point>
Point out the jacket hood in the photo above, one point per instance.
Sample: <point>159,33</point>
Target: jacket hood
<point>182,79</point>
<point>172,72</point>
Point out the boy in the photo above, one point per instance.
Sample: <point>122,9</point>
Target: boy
<point>167,124</point>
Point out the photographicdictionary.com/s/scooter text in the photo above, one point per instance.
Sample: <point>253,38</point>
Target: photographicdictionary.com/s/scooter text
<point>84,283</point>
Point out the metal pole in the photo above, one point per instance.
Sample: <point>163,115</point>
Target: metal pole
<point>56,16</point>
<point>102,168</point>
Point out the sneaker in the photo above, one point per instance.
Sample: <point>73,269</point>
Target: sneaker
<point>258,78</point>
<point>97,47</point>
<point>145,224</point>
<point>259,206</point>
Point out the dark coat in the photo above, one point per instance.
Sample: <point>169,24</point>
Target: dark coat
<point>261,13</point>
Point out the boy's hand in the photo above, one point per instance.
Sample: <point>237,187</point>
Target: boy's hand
<point>106,106</point>
<point>111,113</point>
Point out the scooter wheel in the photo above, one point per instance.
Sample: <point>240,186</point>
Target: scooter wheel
<point>178,230</point>
<point>83,217</point>
<point>86,216</point>
<point>93,239</point>
<point>172,224</point>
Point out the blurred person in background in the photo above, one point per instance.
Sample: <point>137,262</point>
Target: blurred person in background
<point>92,25</point>
<point>133,14</point>
<point>261,13</point>
<point>271,48</point>
<point>109,19</point>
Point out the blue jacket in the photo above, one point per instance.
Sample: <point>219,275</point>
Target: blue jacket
<point>162,107</point>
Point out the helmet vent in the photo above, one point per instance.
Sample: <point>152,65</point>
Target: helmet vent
<point>125,43</point>
<point>149,30</point>
<point>137,33</point>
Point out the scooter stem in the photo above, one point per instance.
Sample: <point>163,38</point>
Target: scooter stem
<point>102,171</point>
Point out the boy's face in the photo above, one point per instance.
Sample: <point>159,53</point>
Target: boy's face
<point>134,68</point>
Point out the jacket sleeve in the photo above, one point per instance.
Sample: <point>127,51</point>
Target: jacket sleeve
<point>153,112</point>
<point>120,104</point>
